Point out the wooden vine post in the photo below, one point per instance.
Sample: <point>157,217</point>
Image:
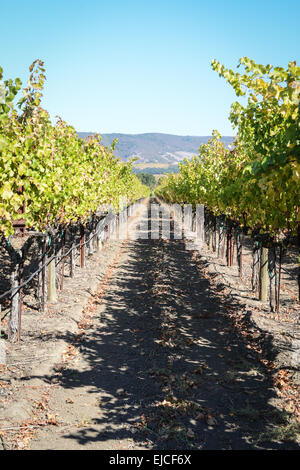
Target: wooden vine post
<point>14,314</point>
<point>263,283</point>
<point>52,294</point>
<point>255,267</point>
<point>229,245</point>
<point>214,234</point>
<point>82,247</point>
<point>16,278</point>
<point>95,242</point>
<point>222,241</point>
<point>62,266</point>
<point>44,276</point>
<point>228,257</point>
<point>91,238</point>
<point>72,257</point>
<point>210,231</point>
<point>272,277</point>
<point>279,280</point>
<point>239,253</point>
<point>21,279</point>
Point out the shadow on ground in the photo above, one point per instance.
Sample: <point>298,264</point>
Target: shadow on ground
<point>168,368</point>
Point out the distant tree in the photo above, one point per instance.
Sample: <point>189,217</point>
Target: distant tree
<point>157,170</point>
<point>147,179</point>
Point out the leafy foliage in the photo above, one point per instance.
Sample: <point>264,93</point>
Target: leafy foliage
<point>48,170</point>
<point>147,179</point>
<point>258,182</point>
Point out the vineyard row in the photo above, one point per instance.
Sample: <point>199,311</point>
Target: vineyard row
<point>43,269</point>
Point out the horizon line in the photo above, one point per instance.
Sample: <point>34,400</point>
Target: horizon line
<point>148,133</point>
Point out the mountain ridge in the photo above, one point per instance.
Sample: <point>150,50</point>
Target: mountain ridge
<point>155,146</point>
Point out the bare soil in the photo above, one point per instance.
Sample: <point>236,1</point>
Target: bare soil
<point>152,346</point>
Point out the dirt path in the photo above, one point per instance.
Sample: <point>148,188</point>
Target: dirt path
<point>160,367</point>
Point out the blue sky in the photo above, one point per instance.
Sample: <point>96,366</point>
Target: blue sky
<point>135,66</point>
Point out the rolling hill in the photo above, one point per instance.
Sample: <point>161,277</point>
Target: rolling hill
<point>155,147</point>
